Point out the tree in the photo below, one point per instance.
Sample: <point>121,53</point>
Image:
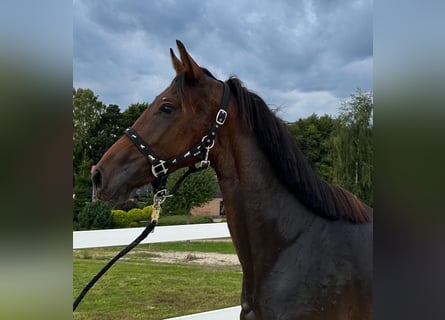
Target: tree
<point>313,136</point>
<point>82,187</point>
<point>107,131</point>
<point>196,190</point>
<point>87,111</point>
<point>130,115</point>
<point>352,146</point>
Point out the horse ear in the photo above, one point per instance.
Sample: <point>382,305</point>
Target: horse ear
<point>191,67</point>
<point>177,64</point>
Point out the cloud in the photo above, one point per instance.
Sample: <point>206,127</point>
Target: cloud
<point>318,49</point>
<point>296,104</point>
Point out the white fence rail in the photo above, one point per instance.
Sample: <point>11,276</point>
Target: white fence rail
<point>221,314</point>
<point>120,237</point>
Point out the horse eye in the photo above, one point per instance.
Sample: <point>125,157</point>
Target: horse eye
<point>167,108</point>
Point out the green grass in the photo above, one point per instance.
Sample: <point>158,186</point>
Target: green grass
<point>200,246</point>
<point>136,288</point>
<point>165,220</point>
<point>183,246</point>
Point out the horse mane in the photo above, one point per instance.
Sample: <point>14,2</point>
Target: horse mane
<point>289,163</point>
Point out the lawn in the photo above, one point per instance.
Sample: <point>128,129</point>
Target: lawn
<point>135,288</point>
<point>200,246</point>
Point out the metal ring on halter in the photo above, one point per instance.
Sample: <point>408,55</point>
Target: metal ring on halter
<point>161,196</point>
<point>208,147</point>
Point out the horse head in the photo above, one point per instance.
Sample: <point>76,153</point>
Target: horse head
<point>178,119</point>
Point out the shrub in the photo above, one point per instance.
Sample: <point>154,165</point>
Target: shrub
<point>132,218</point>
<point>196,190</point>
<point>96,215</point>
<point>76,226</point>
<point>136,215</point>
<point>148,210</point>
<point>120,219</point>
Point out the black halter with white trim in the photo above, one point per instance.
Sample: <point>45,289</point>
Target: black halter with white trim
<point>200,150</point>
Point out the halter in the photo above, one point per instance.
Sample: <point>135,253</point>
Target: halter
<point>160,167</point>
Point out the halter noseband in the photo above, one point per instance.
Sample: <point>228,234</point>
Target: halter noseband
<point>201,150</point>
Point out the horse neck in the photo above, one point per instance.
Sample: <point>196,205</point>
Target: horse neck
<point>260,211</point>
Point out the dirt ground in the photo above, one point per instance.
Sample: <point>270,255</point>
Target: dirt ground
<point>209,258</point>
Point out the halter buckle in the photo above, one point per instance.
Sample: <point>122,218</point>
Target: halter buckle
<point>163,170</point>
<point>204,164</point>
<point>221,117</point>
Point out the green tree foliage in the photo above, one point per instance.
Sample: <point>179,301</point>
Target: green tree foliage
<point>313,136</point>
<point>353,148</point>
<point>87,111</point>
<point>96,215</point>
<point>82,187</point>
<point>107,131</point>
<point>196,190</point>
<point>130,115</point>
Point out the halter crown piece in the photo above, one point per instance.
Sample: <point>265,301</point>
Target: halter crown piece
<point>160,167</point>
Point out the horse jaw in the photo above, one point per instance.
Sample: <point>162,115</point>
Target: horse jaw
<point>117,174</point>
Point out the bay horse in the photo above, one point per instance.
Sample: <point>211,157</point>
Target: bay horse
<point>305,246</point>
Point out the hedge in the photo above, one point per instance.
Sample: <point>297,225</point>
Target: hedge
<point>120,219</point>
<point>138,217</point>
<point>132,218</point>
<point>95,215</point>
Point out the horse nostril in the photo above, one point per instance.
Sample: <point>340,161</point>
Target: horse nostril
<point>97,179</point>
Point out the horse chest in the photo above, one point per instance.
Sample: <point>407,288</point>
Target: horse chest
<point>309,280</point>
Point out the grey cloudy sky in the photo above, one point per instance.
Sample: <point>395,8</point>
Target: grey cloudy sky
<point>304,56</point>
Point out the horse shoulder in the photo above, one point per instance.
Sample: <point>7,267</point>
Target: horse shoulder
<point>323,273</point>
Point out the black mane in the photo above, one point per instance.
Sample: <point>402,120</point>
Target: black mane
<point>290,164</point>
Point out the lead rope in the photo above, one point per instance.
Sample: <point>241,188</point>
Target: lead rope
<point>158,199</point>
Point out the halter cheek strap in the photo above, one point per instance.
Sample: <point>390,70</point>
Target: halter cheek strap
<point>160,167</point>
